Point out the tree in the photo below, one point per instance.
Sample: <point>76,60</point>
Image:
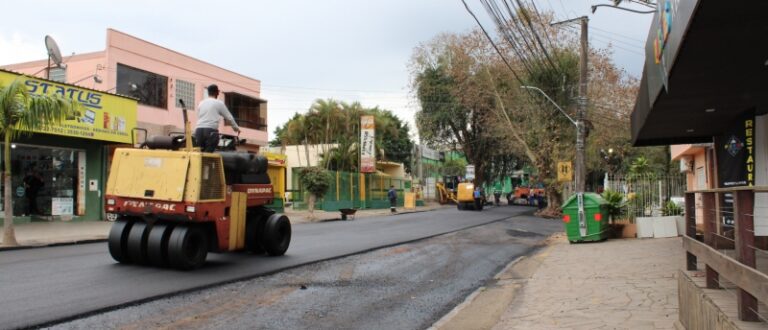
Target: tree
<point>471,97</point>
<point>21,113</point>
<point>456,106</point>
<point>316,180</point>
<point>279,132</point>
<point>333,122</point>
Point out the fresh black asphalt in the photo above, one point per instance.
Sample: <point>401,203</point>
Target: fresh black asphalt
<point>41,286</point>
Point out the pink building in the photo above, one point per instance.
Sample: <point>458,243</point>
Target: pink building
<point>697,161</point>
<point>159,77</point>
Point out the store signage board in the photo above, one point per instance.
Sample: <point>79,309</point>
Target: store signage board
<point>103,116</point>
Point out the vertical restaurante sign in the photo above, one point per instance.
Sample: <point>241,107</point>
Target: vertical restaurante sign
<point>736,153</point>
<point>367,149</point>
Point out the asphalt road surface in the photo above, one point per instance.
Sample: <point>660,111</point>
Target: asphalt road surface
<point>42,286</point>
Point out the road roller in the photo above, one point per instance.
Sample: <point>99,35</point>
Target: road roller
<point>174,204</point>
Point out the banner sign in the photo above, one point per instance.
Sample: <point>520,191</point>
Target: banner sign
<point>470,170</point>
<point>103,116</point>
<point>367,147</point>
<point>735,151</point>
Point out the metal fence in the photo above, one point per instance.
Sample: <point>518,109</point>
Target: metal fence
<point>351,190</point>
<point>643,195</point>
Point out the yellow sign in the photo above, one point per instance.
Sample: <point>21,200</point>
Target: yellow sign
<point>564,172</point>
<point>276,159</point>
<point>104,116</point>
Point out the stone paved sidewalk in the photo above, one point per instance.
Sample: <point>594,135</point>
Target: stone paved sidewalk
<point>616,284</point>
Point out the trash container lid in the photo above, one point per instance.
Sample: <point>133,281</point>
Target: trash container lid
<point>590,200</point>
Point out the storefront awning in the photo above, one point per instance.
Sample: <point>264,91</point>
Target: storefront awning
<point>706,63</point>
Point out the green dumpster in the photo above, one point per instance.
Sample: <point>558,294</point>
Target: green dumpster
<point>594,226</point>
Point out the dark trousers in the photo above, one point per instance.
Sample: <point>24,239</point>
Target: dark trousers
<point>207,139</point>
<point>478,203</point>
<point>392,204</point>
<point>32,203</point>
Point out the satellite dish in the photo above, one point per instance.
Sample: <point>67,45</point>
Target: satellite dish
<point>53,50</point>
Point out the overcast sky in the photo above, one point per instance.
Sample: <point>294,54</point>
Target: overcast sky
<point>300,50</point>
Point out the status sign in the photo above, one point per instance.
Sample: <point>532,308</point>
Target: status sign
<point>103,116</point>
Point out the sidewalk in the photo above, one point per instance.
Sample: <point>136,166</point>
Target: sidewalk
<point>35,234</point>
<point>616,284</point>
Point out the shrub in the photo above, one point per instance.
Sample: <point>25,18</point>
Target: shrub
<point>615,202</point>
<point>316,180</point>
<point>671,208</point>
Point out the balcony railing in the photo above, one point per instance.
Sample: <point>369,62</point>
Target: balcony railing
<point>733,258</point>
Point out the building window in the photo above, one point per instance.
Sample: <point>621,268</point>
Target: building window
<point>150,88</point>
<point>57,74</point>
<point>185,91</point>
<point>248,111</point>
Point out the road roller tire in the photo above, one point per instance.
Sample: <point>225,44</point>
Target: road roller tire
<point>254,229</point>
<point>187,247</point>
<point>137,243</point>
<point>277,234</point>
<point>118,240</point>
<point>157,244</point>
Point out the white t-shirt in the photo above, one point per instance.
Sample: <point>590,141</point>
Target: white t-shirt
<point>210,111</point>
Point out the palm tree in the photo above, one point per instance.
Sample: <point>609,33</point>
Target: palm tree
<point>21,113</point>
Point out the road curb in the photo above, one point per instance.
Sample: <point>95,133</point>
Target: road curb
<point>101,240</point>
<point>471,299</point>
<point>27,247</point>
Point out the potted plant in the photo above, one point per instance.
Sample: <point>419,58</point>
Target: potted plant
<point>615,205</point>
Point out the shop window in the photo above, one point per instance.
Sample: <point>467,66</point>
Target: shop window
<point>150,88</point>
<point>185,91</point>
<point>44,181</point>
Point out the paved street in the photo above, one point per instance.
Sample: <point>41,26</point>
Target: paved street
<point>47,284</point>
<point>406,286</point>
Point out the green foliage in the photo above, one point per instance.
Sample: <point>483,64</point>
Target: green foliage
<point>316,180</point>
<point>671,208</point>
<point>640,166</point>
<point>279,133</point>
<point>455,167</point>
<point>615,203</point>
<point>333,122</point>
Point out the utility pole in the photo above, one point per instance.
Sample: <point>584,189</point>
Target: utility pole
<point>581,114</point>
<point>580,168</point>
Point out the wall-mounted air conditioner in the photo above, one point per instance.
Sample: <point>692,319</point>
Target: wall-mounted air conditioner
<point>686,165</point>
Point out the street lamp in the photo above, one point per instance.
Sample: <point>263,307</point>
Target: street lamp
<point>594,8</point>
<point>580,164</point>
<point>553,102</point>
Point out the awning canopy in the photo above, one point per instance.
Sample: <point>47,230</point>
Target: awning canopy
<point>714,63</point>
